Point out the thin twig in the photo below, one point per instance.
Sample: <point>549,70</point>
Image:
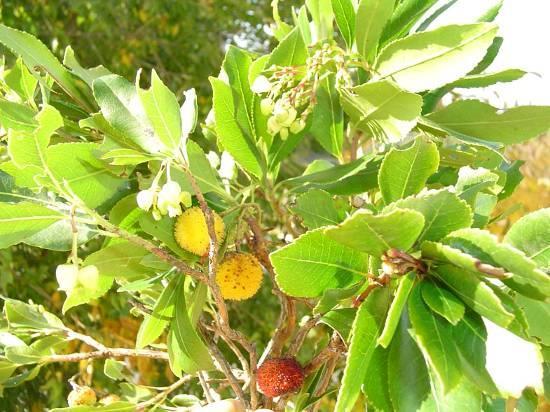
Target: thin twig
<point>205,387</point>
<point>162,395</point>
<point>301,335</point>
<point>105,354</point>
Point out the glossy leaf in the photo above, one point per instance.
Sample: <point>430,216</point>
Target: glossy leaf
<point>344,14</point>
<point>442,302</point>
<point>314,263</point>
<point>405,172</point>
<point>291,51</point>
<point>488,79</point>
<point>317,208</point>
<point>406,14</point>
<point>372,16</point>
<point>376,234</point>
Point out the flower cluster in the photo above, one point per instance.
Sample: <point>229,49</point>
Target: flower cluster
<point>290,92</point>
<point>165,200</point>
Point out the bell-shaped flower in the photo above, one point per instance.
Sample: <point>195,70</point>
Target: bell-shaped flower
<point>145,199</point>
<point>261,85</point>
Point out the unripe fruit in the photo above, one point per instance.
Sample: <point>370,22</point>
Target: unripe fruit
<point>280,376</point>
<point>239,276</point>
<point>82,395</point>
<point>191,231</point>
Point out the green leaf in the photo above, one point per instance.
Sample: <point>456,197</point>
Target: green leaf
<point>375,386</point>
<point>443,212</point>
<point>376,234</point>
<point>20,80</point>
<point>431,59</point>
<point>237,65</point>
<point>194,356</point>
<point>121,107</point>
<point>408,379</point>
<point>341,320</point>
<point>17,116</point>
<point>444,253</point>
<point>372,16</point>
<point>530,235</point>
<point>123,157</point>
<point>365,331</point>
<point>22,220</point>
<point>25,316</point>
<point>229,132</point>
<point>488,79</point>
<point>442,302</point>
<point>399,301</point>
<point>114,369</point>
<point>527,279</point>
<point>314,263</point>
<point>154,324</point>
<point>464,396</point>
<point>163,111</point>
<point>163,230</point>
<point>332,297</point>
<point>29,149</point>
<point>344,14</point>
<point>327,125</point>
<point>482,121</point>
<point>6,369</point>
<point>382,109</point>
<point>405,172</point>
<point>404,17</point>
<point>475,293</point>
<point>435,341</point>
<point>473,181</point>
<point>470,337</point>
<point>88,75</point>
<point>321,12</point>
<point>77,165</point>
<point>317,208</point>
<point>37,56</point>
<point>291,51</point>
<point>537,314</point>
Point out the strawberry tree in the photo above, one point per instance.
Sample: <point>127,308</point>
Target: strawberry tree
<point>334,182</point>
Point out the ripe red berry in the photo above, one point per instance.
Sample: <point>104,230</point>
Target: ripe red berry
<point>279,376</point>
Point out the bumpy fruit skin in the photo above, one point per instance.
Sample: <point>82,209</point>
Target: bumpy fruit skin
<point>191,231</point>
<point>239,276</point>
<point>82,395</point>
<point>280,376</point>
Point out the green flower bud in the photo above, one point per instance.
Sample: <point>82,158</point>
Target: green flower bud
<point>266,106</point>
<point>284,133</point>
<point>273,126</point>
<point>297,126</point>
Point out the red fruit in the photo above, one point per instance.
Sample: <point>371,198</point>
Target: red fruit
<point>279,376</point>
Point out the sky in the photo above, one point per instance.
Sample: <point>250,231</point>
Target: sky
<point>524,26</point>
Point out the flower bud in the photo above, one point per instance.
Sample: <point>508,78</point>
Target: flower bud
<point>266,106</point>
<point>284,133</point>
<point>273,126</point>
<point>281,115</point>
<point>185,198</point>
<point>157,215</point>
<point>297,126</point>
<point>145,199</point>
<point>261,85</point>
<point>169,196</point>
<point>291,117</point>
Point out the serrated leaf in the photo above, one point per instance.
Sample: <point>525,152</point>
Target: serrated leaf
<point>488,79</point>
<point>327,124</point>
<point>22,315</point>
<point>317,208</point>
<point>405,172</point>
<point>537,314</point>
<point>17,116</point>
<point>344,14</point>
<point>443,212</point>
<point>475,293</point>
<point>20,80</point>
<point>431,59</point>
<point>442,302</point>
<point>382,109</point>
<point>229,132</point>
<point>482,121</point>
<point>464,396</point>
<point>435,341</point>
<point>322,15</point>
<point>406,369</point>
<point>527,279</point>
<point>372,16</point>
<point>470,337</point>
<point>530,235</point>
<point>375,386</point>
<point>291,51</point>
<point>406,284</point>
<point>23,220</point>
<point>154,324</point>
<point>365,331</point>
<point>406,14</point>
<point>37,56</point>
<point>314,263</point>
<point>376,234</point>
<point>88,75</point>
<point>162,110</point>
<point>121,107</point>
<point>194,356</point>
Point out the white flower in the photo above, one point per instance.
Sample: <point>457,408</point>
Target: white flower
<point>273,126</point>
<point>297,126</point>
<point>169,197</point>
<point>261,85</point>
<point>174,210</point>
<point>66,276</point>
<point>227,166</point>
<point>188,112</point>
<point>284,113</point>
<point>145,199</point>
<point>213,159</point>
<point>266,106</point>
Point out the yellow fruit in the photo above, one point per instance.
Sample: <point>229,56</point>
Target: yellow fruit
<point>82,395</point>
<point>109,399</point>
<point>191,232</point>
<point>239,276</point>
